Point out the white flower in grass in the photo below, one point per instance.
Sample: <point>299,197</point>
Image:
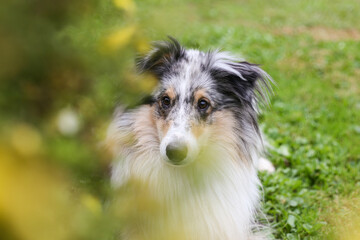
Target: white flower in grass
<point>68,122</point>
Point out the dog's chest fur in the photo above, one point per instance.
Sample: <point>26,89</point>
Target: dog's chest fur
<point>216,198</point>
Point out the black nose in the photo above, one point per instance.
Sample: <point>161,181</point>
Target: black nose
<point>176,152</point>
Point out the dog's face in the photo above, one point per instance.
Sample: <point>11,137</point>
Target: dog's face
<point>185,107</point>
<point>199,95</point>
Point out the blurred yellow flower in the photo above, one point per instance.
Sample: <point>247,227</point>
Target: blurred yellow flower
<point>92,203</point>
<point>35,200</point>
<point>127,5</point>
<point>148,83</point>
<point>25,139</point>
<point>119,38</point>
<point>142,46</point>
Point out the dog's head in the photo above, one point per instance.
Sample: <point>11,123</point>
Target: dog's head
<point>200,96</point>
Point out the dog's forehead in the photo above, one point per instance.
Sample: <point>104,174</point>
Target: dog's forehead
<point>189,74</point>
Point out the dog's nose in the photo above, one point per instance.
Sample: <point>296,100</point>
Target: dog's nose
<point>176,152</point>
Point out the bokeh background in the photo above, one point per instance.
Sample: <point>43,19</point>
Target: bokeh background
<point>65,65</point>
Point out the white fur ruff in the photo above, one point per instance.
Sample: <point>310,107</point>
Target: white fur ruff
<point>214,198</point>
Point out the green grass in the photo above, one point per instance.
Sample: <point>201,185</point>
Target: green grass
<point>312,50</point>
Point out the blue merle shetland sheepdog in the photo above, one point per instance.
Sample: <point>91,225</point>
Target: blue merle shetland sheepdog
<point>195,144</point>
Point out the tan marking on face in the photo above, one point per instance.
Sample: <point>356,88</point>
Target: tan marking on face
<point>144,124</point>
<point>161,124</point>
<point>171,93</point>
<point>201,94</point>
<point>163,127</point>
<point>223,125</point>
<point>198,130</point>
<point>222,130</point>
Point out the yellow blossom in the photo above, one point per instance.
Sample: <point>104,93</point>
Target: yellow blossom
<point>127,5</point>
<point>25,139</point>
<point>92,203</point>
<point>119,38</point>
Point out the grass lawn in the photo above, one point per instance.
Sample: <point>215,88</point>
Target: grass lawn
<point>312,51</point>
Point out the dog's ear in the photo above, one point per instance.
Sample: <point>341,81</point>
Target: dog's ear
<point>160,59</point>
<point>241,80</point>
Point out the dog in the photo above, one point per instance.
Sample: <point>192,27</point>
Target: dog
<point>195,144</point>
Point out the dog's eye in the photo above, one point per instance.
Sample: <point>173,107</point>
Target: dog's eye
<point>203,104</point>
<point>165,102</point>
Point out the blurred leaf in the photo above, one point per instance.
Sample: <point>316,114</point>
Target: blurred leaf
<point>357,129</point>
<point>127,5</point>
<point>119,39</point>
<point>284,150</point>
<point>25,139</point>
<point>91,203</point>
<point>291,221</point>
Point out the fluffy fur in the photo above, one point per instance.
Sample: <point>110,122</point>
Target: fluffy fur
<point>212,192</point>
